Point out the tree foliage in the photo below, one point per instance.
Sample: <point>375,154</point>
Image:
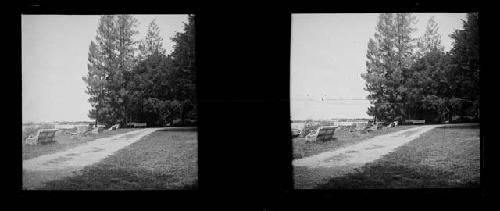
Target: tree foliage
<point>410,78</point>
<point>152,43</point>
<point>389,56</point>
<point>135,81</point>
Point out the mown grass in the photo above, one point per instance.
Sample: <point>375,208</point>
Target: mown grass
<point>65,141</point>
<point>447,157</point>
<point>301,148</point>
<point>161,160</point>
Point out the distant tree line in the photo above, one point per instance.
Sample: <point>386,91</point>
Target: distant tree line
<point>136,81</point>
<point>413,78</point>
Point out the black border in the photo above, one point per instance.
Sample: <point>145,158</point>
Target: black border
<point>243,65</point>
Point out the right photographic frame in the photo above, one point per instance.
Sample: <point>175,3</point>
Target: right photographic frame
<point>385,100</point>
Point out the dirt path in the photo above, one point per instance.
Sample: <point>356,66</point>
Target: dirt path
<point>54,166</point>
<point>317,169</point>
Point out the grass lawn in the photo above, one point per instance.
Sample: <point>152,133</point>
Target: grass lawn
<point>301,148</point>
<point>445,157</point>
<point>64,141</point>
<point>161,160</point>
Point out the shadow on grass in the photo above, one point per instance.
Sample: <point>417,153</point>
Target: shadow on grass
<point>118,179</point>
<point>380,176</point>
<point>178,129</point>
<point>472,126</point>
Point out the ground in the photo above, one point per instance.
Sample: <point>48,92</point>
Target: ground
<point>65,141</point>
<point>443,157</point>
<point>301,148</point>
<point>161,160</point>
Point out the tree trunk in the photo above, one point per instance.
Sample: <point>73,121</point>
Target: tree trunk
<point>182,115</point>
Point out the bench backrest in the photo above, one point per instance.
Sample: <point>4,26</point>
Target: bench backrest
<point>46,135</point>
<point>81,129</point>
<point>325,133</point>
<point>140,124</point>
<point>361,126</point>
<point>414,121</point>
<point>114,127</point>
<point>137,124</point>
<point>418,121</point>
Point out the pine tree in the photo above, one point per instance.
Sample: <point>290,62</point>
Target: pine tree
<point>95,79</point>
<point>389,55</point>
<point>152,43</point>
<point>126,47</point>
<point>110,56</point>
<point>423,77</point>
<point>184,69</point>
<point>431,39</point>
<point>464,70</point>
<point>100,67</point>
<point>153,73</point>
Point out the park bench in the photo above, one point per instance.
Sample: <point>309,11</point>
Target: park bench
<point>80,130</point>
<point>361,126</point>
<point>295,132</point>
<point>323,133</point>
<point>414,121</point>
<point>372,127</point>
<point>43,136</point>
<point>375,126</point>
<point>114,127</point>
<point>136,124</point>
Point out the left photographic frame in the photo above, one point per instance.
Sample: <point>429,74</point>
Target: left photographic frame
<point>109,102</point>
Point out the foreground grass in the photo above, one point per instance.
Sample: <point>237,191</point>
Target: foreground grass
<point>301,148</point>
<point>64,141</point>
<point>447,157</point>
<point>161,160</point>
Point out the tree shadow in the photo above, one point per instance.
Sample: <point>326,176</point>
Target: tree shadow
<point>472,126</point>
<point>383,176</point>
<point>179,129</point>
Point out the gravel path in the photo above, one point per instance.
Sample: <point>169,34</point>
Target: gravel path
<point>65,163</point>
<point>316,169</point>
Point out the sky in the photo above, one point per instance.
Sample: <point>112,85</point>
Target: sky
<point>328,55</point>
<point>54,60</point>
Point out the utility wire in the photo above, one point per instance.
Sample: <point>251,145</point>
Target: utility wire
<point>342,101</point>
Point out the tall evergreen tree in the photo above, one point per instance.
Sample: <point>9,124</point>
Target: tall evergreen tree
<point>100,68</point>
<point>153,73</point>
<point>389,55</point>
<point>110,56</point>
<point>152,43</point>
<point>184,69</point>
<point>155,88</point>
<point>431,39</point>
<point>424,77</point>
<point>125,47</point>
<point>95,79</point>
<point>465,66</point>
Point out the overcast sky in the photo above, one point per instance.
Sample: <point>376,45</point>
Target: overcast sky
<point>328,55</point>
<point>54,60</point>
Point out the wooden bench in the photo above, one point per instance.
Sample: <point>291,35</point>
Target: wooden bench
<point>114,127</point>
<point>43,136</point>
<point>324,133</point>
<point>136,124</point>
<point>372,127</point>
<point>80,130</point>
<point>414,121</point>
<point>361,126</point>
